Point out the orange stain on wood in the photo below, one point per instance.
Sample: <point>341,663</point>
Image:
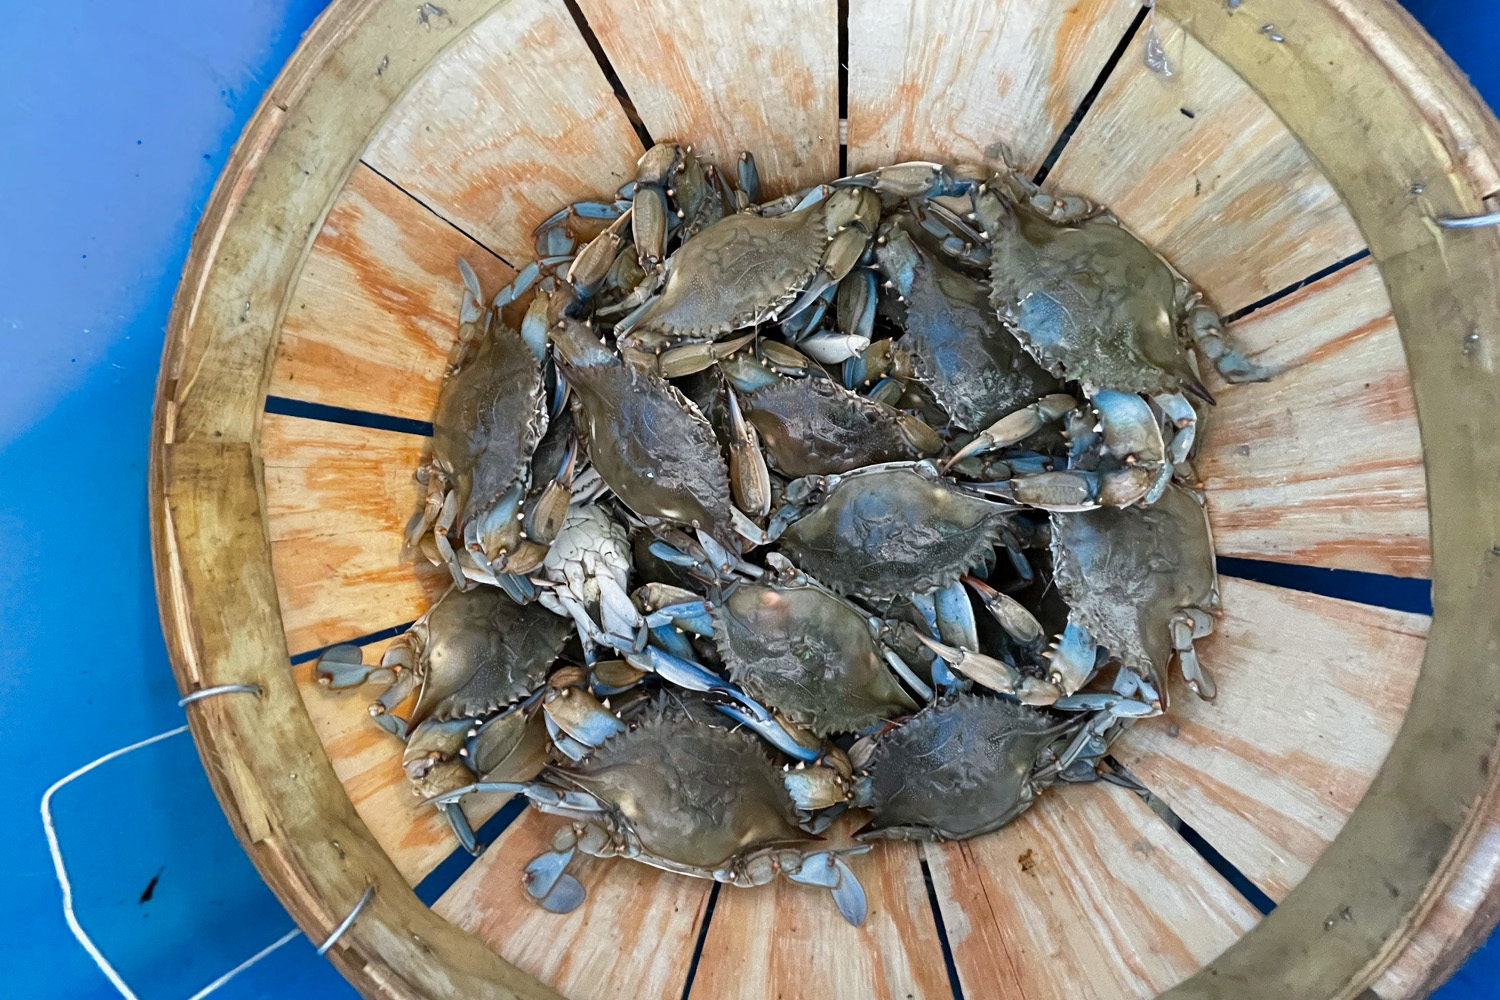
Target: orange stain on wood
<point>633,936</point>
<point>771,87</point>
<point>337,499</point>
<point>1321,465</point>
<point>1113,903</point>
<point>1312,691</point>
<point>376,306</point>
<point>510,122</point>
<point>962,80</point>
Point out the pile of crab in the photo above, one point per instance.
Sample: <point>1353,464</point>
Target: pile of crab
<point>874,498</point>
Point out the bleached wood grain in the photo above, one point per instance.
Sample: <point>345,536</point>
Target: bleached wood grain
<point>1087,896</point>
<point>632,938</point>
<point>508,124</point>
<point>959,81</point>
<point>788,940</point>
<point>1321,465</point>
<point>376,305</point>
<point>1200,167</point>
<point>337,501</point>
<point>761,77</point>
<point>1311,693</point>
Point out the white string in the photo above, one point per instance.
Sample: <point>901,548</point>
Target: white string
<point>67,887</point>
<point>226,977</point>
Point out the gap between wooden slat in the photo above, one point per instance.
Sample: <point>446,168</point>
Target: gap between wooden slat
<point>1089,98</point>
<point>708,916</point>
<point>955,984</point>
<point>1297,286</point>
<point>1378,590</point>
<point>602,58</point>
<point>370,638</point>
<point>843,65</point>
<point>438,215</point>
<point>302,409</point>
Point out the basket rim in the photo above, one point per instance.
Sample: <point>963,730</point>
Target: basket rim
<point>1417,823</point>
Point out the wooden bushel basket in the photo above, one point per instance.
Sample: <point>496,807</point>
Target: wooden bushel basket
<point>1349,766</point>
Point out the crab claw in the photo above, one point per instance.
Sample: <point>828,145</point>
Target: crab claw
<point>1071,658</point>
<point>995,674</point>
<point>1019,623</point>
<point>454,813</point>
<point>579,714</point>
<point>342,667</point>
<point>814,788</point>
<point>834,348</point>
<point>1017,426</point>
<point>849,895</point>
<point>565,897</point>
<point>754,716</point>
<point>749,478</point>
<point>693,358</point>
<point>542,872</point>
<point>917,179</point>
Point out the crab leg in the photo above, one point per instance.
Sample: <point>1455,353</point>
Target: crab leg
<point>749,478</point>
<point>1184,418</point>
<point>765,724</point>
<point>995,674</point>
<point>748,177</point>
<point>518,286</point>
<point>343,666</point>
<point>910,679</point>
<point>1017,426</point>
<point>693,358</point>
<point>1206,329</point>
<point>1186,626</point>
<point>913,179</point>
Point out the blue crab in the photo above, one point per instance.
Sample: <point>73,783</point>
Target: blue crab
<point>813,426</point>
<point>1141,582</point>
<point>889,530</point>
<point>491,414</point>
<point>646,440</point>
<point>674,789</point>
<point>954,344</point>
<point>748,269</point>
<point>809,654</point>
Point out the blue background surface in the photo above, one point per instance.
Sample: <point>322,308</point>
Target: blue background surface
<point>114,121</point>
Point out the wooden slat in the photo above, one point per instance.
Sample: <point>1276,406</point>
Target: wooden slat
<point>376,306</point>
<point>337,500</point>
<point>1228,195</point>
<point>788,940</point>
<point>510,123</point>
<point>1311,693</point>
<point>956,81</point>
<point>1321,465</point>
<point>732,77</point>
<point>1087,895</point>
<point>632,938</point>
